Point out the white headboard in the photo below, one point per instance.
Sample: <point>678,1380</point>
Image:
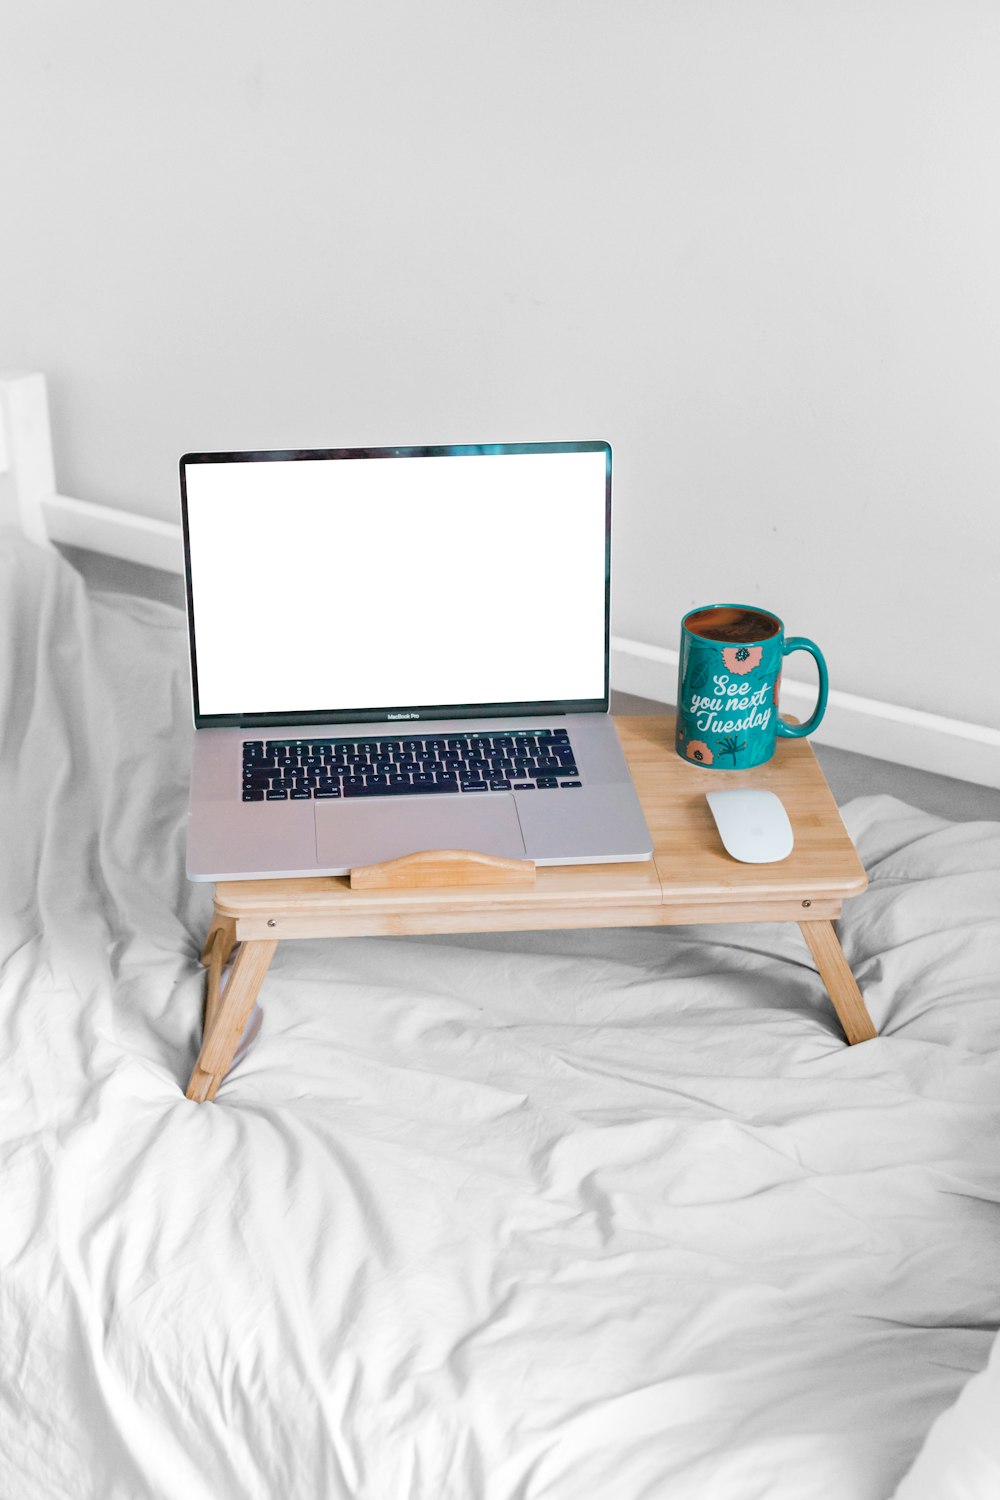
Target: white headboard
<point>29,498</point>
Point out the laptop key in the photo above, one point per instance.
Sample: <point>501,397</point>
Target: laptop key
<point>474,786</point>
<point>546,781</point>
<point>326,792</point>
<point>301,794</point>
<point>571,783</point>
<point>279,795</point>
<point>252,794</point>
<point>499,786</point>
<point>395,791</point>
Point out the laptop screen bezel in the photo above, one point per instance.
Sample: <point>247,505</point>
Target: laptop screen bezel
<point>405,712</point>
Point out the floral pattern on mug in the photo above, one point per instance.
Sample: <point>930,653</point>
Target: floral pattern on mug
<point>777,688</point>
<point>698,750</point>
<point>742,659</point>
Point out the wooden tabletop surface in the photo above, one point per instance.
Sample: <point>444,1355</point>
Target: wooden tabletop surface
<point>689,877</point>
<point>688,854</point>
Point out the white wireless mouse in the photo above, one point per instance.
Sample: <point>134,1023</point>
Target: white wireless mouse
<point>752,824</point>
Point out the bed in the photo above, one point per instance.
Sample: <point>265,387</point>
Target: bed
<point>546,1216</point>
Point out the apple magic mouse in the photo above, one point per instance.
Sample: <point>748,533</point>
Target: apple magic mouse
<point>752,824</point>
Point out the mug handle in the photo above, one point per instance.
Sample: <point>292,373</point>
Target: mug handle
<point>797,731</point>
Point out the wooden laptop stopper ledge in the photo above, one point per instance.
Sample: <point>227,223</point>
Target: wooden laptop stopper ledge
<point>442,867</point>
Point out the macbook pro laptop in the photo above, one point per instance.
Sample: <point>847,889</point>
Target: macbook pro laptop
<point>402,649</point>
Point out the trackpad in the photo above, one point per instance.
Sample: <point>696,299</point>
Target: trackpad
<point>362,832</point>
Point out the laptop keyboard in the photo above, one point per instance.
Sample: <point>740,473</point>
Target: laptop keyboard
<point>520,760</point>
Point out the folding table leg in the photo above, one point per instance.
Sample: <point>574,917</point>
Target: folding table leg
<point>835,972</point>
<point>218,947</point>
<point>223,929</point>
<point>222,1035</point>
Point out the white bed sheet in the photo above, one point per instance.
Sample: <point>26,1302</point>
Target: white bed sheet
<point>554,1216</point>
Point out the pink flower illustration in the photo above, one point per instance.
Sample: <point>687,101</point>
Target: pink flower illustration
<point>699,751</point>
<point>777,688</point>
<point>742,659</point>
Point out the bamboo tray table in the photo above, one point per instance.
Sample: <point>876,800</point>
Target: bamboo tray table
<point>690,879</point>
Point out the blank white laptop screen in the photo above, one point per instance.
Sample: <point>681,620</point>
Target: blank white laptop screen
<point>394,580</point>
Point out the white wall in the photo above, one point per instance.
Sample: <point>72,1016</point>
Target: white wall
<point>755,244</point>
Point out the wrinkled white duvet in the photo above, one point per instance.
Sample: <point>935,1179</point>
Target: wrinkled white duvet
<point>557,1216</point>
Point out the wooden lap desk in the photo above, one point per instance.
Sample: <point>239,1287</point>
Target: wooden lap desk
<point>690,879</point>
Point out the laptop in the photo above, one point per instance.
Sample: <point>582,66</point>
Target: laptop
<point>402,649</point>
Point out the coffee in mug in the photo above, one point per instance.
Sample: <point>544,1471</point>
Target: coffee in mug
<point>727,690</point>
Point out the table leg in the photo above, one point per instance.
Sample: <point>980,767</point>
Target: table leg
<point>835,972</point>
<point>218,947</point>
<point>226,928</point>
<point>222,1035</point>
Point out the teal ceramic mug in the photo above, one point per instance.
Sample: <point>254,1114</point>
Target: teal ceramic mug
<point>727,689</point>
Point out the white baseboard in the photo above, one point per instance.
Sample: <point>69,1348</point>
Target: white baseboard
<point>30,501</point>
<point>99,528</point>
<point>886,731</point>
